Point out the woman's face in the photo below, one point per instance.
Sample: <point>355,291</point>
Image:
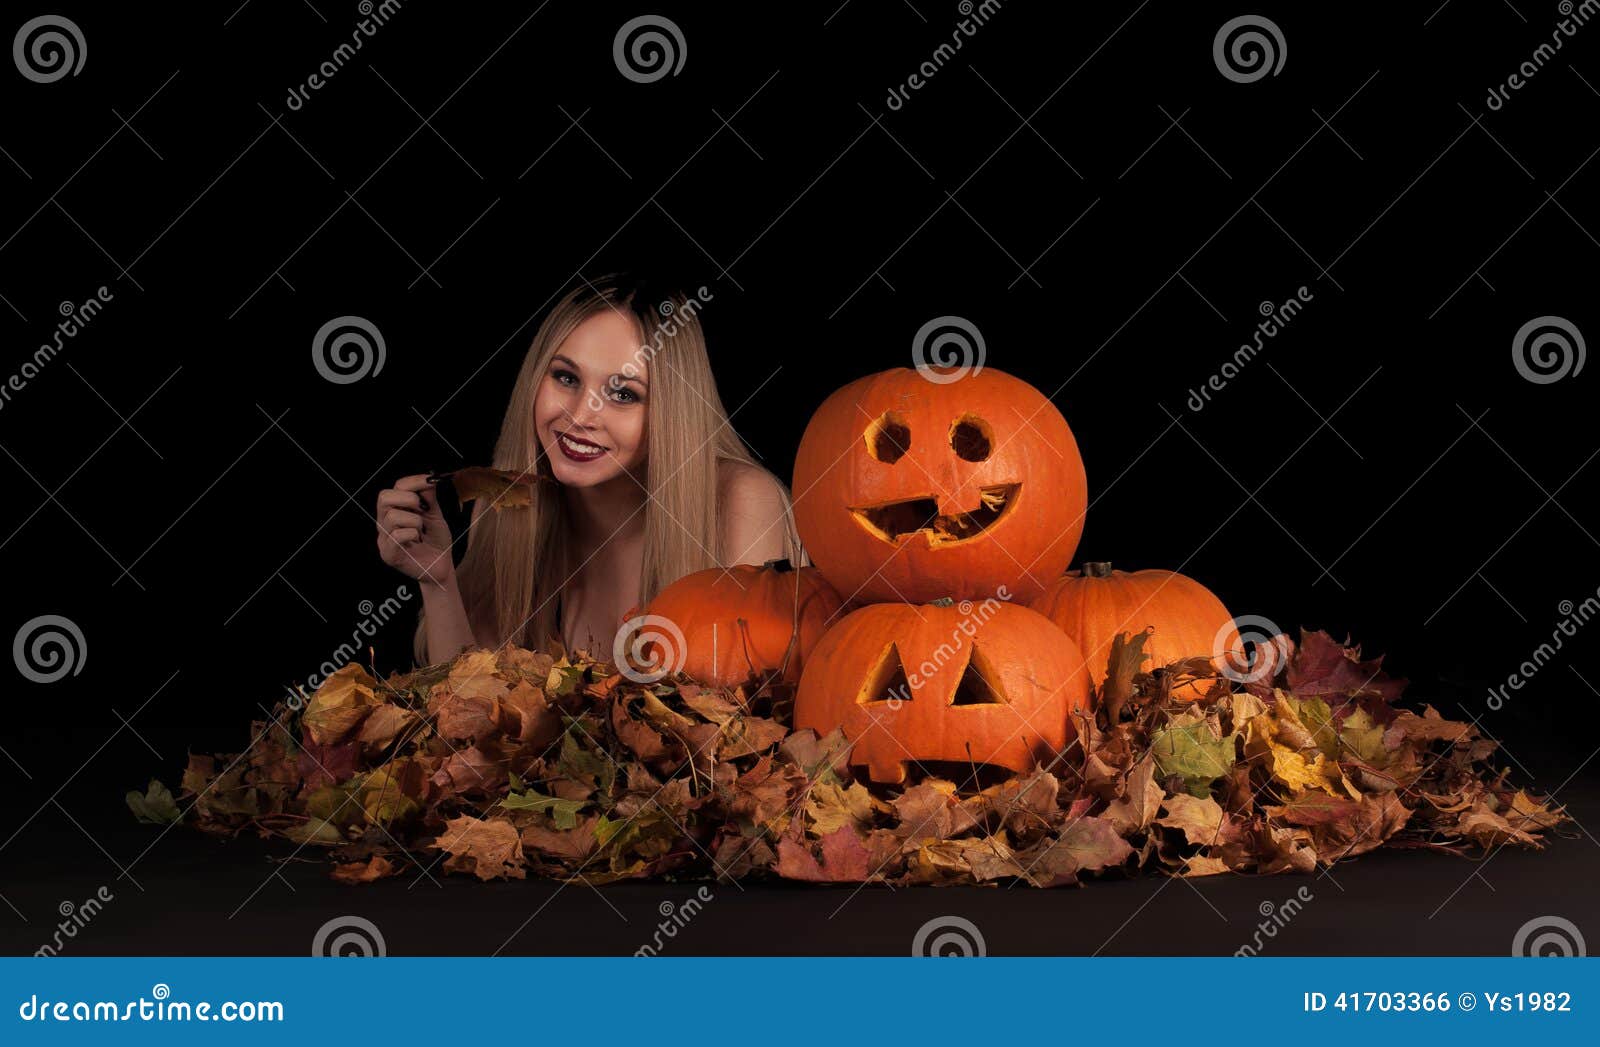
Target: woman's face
<point>589,411</point>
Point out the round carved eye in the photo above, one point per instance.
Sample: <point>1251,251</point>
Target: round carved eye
<point>971,438</point>
<point>888,437</point>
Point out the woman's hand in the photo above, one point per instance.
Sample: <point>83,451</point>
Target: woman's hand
<point>412,535</point>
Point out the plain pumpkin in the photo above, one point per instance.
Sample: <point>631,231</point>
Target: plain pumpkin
<point>914,489</point>
<point>739,623</point>
<point>993,683</point>
<point>1098,603</point>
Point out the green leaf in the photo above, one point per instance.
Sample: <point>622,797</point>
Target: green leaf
<point>156,806</point>
<point>563,812</point>
<point>1364,739</point>
<point>1318,719</point>
<point>1194,754</point>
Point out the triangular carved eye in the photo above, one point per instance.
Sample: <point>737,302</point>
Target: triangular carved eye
<point>886,682</point>
<point>979,683</point>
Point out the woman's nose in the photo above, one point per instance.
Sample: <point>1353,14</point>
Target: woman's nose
<point>586,412</point>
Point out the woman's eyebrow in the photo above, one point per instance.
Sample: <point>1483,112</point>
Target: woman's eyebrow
<point>558,358</point>
<point>622,377</point>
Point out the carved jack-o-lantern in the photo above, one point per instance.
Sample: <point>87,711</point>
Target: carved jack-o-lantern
<point>990,683</point>
<point>911,489</point>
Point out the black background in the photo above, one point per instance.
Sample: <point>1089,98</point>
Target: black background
<point>187,489</point>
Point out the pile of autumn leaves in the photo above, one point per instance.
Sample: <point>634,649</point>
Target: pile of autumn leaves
<point>501,764</point>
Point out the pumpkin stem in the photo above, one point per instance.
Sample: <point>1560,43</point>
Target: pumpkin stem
<point>780,565</point>
<point>1097,569</point>
<point>943,601</point>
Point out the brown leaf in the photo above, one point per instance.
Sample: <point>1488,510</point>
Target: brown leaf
<point>843,859</point>
<point>375,868</point>
<point>491,849</point>
<point>1324,668</point>
<point>497,488</point>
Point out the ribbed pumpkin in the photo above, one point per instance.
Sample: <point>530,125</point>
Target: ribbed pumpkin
<point>739,622</point>
<point>910,488</point>
<point>1098,603</point>
<point>993,683</point>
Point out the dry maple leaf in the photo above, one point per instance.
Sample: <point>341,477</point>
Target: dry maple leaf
<point>491,849</point>
<point>496,488</point>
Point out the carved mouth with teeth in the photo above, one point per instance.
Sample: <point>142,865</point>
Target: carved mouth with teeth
<point>895,522</point>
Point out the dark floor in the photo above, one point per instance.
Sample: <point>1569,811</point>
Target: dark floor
<point>201,895</point>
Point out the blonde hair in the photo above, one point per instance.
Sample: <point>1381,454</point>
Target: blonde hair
<point>518,560</point>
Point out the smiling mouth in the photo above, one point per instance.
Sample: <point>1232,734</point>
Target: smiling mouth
<point>896,521</point>
<point>583,448</point>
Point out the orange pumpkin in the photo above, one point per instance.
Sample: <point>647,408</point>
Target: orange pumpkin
<point>1098,603</point>
<point>913,489</point>
<point>993,683</point>
<point>738,623</point>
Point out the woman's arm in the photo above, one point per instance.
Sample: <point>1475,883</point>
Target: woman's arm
<point>754,514</point>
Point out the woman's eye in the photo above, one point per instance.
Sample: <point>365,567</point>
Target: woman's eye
<point>564,377</point>
<point>624,395</point>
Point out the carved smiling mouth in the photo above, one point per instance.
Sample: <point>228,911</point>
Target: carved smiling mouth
<point>895,521</point>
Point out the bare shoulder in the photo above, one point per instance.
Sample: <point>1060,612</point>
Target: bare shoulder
<point>752,506</point>
<point>742,487</point>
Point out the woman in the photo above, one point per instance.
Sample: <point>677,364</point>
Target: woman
<point>616,409</point>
